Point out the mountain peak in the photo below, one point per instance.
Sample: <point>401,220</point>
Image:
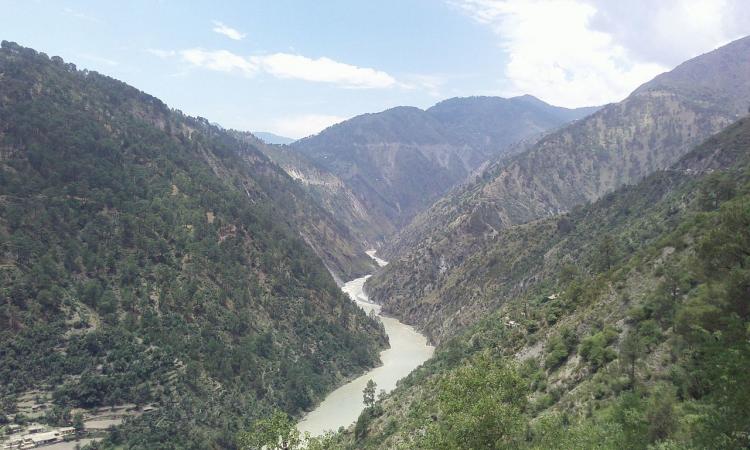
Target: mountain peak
<point>271,138</point>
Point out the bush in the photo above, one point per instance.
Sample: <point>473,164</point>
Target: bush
<point>559,347</point>
<point>363,423</point>
<point>596,349</point>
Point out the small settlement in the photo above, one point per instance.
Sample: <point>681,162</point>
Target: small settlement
<point>37,436</point>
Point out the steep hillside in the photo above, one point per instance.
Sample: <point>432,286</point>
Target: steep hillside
<point>320,207</point>
<point>397,162</point>
<point>332,195</point>
<point>627,326</point>
<point>490,125</point>
<point>617,145</point>
<point>148,257</point>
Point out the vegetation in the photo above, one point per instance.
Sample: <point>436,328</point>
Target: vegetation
<point>153,258</point>
<point>480,405</point>
<point>647,351</point>
<point>277,432</point>
<point>465,255</point>
<point>397,162</point>
<point>368,394</point>
<point>145,258</point>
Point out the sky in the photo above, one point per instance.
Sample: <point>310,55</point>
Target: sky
<point>294,67</point>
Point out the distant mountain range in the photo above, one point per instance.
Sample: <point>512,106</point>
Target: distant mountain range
<point>270,138</point>
<point>397,162</point>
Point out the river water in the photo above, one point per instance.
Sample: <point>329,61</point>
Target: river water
<point>408,350</point>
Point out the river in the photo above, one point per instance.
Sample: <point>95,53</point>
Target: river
<point>408,350</point>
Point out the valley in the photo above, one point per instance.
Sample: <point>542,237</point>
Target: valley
<point>407,350</point>
<point>473,272</point>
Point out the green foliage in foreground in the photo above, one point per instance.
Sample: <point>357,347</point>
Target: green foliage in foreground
<point>279,432</point>
<point>481,405</point>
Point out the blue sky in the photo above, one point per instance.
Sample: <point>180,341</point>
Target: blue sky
<point>294,67</point>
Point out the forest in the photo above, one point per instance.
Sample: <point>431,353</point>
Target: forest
<point>143,261</point>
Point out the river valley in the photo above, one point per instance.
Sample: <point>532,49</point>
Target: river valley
<point>408,349</point>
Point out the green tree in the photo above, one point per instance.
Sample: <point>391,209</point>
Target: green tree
<point>605,253</point>
<point>481,406</point>
<point>559,347</point>
<point>368,394</point>
<point>660,413</point>
<point>78,422</point>
<point>630,352</point>
<point>717,188</point>
<point>596,349</point>
<point>277,432</point>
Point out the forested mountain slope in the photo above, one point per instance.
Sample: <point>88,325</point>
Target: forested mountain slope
<point>150,257</point>
<point>617,145</point>
<point>324,229</point>
<point>622,324</point>
<point>397,162</point>
<point>332,195</point>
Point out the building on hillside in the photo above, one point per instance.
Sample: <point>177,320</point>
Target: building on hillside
<point>66,431</point>
<point>45,438</point>
<point>38,439</point>
<point>34,428</point>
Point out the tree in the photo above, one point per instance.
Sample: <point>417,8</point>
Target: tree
<point>727,244</point>
<point>660,413</point>
<point>481,406</point>
<point>717,188</point>
<point>630,352</point>
<point>277,432</point>
<point>361,428</point>
<point>78,422</point>
<point>559,347</point>
<point>368,394</point>
<point>596,349</point>
<point>605,253</point>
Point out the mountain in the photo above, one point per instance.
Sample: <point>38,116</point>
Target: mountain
<point>148,257</point>
<point>621,324</point>
<point>326,230</point>
<point>329,193</point>
<point>615,146</point>
<point>397,162</point>
<point>490,125</point>
<point>270,138</point>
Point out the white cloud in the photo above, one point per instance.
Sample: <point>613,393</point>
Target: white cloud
<point>284,66</point>
<point>672,31</point>
<point>325,70</point>
<point>161,53</point>
<point>99,59</point>
<point>554,54</point>
<point>305,125</point>
<point>431,84</point>
<point>228,31</point>
<point>587,52</point>
<point>219,60</point>
<point>83,16</point>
